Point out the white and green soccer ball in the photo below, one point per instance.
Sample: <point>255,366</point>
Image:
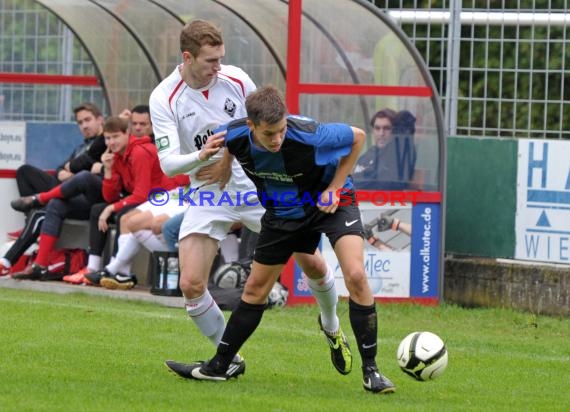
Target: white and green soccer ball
<point>422,355</point>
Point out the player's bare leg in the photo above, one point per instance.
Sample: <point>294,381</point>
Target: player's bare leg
<point>196,255</point>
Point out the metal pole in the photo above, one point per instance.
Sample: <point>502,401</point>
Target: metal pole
<point>492,18</point>
<point>452,69</point>
<point>294,55</point>
<point>67,68</point>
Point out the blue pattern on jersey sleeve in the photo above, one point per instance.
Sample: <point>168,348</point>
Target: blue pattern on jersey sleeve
<point>234,131</point>
<point>334,140</point>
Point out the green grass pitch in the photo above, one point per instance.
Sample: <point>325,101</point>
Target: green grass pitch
<point>84,353</point>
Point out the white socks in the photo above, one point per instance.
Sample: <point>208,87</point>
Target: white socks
<point>324,291</point>
<point>206,314</point>
<point>150,241</point>
<point>6,263</point>
<point>94,263</point>
<point>128,248</point>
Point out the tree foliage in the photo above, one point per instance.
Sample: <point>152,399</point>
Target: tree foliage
<point>511,78</point>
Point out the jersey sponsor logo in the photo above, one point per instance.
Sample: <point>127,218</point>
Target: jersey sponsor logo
<point>279,177</point>
<point>162,143</point>
<point>201,139</point>
<point>188,115</point>
<point>352,222</point>
<point>230,107</point>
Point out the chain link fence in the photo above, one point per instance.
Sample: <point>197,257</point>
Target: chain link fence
<point>501,67</point>
<point>33,40</point>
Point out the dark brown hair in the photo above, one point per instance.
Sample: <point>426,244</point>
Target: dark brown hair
<point>266,104</point>
<point>90,107</point>
<point>384,113</point>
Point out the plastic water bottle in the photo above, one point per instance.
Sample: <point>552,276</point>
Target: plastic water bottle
<point>172,273</point>
<point>160,273</point>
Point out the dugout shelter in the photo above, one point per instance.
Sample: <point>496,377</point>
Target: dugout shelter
<point>335,60</point>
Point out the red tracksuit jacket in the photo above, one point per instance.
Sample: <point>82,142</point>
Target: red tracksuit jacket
<point>137,171</point>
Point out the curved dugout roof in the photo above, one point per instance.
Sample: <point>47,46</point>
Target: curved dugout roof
<point>134,44</point>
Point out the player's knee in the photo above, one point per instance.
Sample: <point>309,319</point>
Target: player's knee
<point>256,290</point>
<point>355,279</point>
<point>316,270</point>
<point>191,287</point>
<point>124,220</point>
<point>254,296</point>
<point>314,266</point>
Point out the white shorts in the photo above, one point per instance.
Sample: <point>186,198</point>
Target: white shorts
<point>214,213</point>
<point>163,205</point>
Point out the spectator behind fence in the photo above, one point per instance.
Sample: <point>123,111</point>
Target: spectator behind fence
<point>389,164</point>
<point>130,166</point>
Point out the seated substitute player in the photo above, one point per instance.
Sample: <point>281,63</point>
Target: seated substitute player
<point>310,162</point>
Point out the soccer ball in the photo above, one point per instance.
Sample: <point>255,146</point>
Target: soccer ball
<point>422,355</point>
<point>230,275</point>
<point>278,295</point>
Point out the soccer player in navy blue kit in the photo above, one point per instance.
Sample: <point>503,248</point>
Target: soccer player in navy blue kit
<point>298,167</point>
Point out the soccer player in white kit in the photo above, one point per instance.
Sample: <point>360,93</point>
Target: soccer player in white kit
<point>196,98</point>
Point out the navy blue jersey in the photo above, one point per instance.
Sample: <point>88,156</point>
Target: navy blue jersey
<point>289,182</point>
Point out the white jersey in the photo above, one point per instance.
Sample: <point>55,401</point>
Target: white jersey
<point>183,118</point>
